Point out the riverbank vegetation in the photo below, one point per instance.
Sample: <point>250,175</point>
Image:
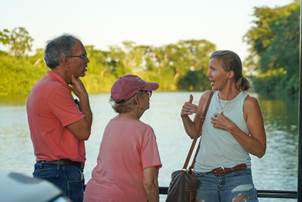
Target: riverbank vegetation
<point>274,50</point>
<point>272,64</point>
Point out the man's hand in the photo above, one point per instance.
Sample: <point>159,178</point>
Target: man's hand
<point>78,87</point>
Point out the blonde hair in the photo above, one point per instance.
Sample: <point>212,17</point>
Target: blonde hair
<point>232,62</point>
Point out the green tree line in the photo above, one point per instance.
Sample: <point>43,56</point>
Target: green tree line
<point>274,50</point>
<point>178,66</point>
<point>273,60</point>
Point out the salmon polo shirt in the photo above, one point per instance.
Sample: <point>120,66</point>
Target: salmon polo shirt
<point>50,108</point>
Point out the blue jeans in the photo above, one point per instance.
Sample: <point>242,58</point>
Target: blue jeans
<point>68,178</point>
<point>233,187</point>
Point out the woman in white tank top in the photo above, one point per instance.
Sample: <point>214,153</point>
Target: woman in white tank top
<point>233,128</point>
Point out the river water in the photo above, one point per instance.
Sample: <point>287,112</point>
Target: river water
<point>277,170</point>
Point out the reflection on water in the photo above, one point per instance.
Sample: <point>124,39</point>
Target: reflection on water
<point>280,115</point>
<point>276,170</point>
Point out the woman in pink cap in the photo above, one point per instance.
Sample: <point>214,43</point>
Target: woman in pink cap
<point>128,161</point>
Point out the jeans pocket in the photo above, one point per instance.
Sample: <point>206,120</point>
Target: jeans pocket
<point>75,180</point>
<point>75,191</point>
<point>46,172</point>
<point>74,174</point>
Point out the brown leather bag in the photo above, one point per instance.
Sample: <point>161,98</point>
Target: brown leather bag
<point>183,185</point>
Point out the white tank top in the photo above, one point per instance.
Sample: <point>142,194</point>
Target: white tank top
<point>218,147</point>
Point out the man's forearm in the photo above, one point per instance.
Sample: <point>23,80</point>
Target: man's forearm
<point>85,108</point>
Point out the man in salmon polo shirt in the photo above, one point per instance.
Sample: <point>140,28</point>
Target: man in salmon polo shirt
<point>59,125</point>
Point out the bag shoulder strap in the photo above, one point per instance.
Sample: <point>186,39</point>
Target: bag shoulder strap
<point>195,139</point>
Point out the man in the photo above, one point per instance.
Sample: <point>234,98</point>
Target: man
<point>58,125</point>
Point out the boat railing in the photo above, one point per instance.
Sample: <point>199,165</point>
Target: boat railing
<point>260,193</point>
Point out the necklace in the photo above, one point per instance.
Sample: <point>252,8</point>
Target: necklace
<point>222,107</point>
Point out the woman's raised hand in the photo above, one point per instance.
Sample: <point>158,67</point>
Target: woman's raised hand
<point>188,108</point>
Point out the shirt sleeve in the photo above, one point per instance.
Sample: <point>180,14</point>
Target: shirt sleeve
<point>149,153</point>
<point>63,106</point>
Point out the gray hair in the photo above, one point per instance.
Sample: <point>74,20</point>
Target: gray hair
<point>125,106</point>
<point>57,48</point>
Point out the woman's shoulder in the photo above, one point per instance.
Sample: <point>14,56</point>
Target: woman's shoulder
<point>250,101</point>
<point>206,95</point>
<point>144,125</point>
<point>143,129</point>
<point>128,120</point>
<point>133,124</point>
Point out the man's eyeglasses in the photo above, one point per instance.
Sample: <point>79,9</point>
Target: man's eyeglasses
<point>83,56</point>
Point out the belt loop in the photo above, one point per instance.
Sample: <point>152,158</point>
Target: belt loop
<point>58,165</point>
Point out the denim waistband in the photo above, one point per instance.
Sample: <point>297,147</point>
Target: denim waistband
<point>221,171</point>
<point>65,162</point>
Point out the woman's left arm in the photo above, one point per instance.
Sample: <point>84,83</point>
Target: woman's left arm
<point>254,142</point>
<point>255,124</point>
<point>151,184</point>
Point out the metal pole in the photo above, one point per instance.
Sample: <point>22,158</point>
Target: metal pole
<point>300,117</point>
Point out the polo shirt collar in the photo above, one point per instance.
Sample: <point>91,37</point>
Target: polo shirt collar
<point>57,77</point>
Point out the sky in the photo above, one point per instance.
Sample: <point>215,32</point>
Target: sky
<point>105,23</point>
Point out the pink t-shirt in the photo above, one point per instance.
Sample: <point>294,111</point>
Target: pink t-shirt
<point>50,108</point>
<point>128,146</point>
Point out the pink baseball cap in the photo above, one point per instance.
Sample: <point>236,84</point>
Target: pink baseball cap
<point>127,86</point>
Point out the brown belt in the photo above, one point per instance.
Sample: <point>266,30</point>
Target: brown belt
<point>221,171</point>
<point>63,162</point>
